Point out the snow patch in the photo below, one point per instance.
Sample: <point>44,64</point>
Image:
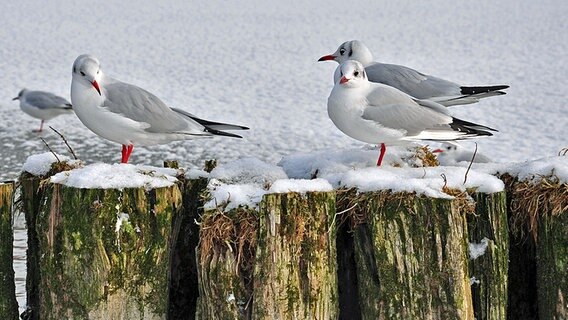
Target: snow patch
<point>300,185</point>
<point>248,170</point>
<point>531,171</point>
<point>356,168</point>
<point>116,176</point>
<point>476,250</point>
<point>40,164</point>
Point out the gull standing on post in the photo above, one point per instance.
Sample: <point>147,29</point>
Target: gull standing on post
<point>129,115</point>
<point>42,105</point>
<point>379,114</point>
<point>410,81</point>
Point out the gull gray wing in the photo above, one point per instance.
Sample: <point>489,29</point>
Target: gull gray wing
<point>394,109</point>
<point>410,81</point>
<point>142,106</point>
<point>46,100</point>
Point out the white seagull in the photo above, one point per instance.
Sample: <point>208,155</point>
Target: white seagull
<point>42,105</point>
<point>410,81</point>
<point>379,114</point>
<point>452,153</point>
<point>129,115</point>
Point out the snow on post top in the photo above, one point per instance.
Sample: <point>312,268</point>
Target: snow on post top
<point>116,176</point>
<point>40,164</point>
<point>533,170</point>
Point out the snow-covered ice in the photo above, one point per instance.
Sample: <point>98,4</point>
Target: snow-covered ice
<point>254,63</point>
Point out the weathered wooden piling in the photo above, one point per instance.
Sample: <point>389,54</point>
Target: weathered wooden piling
<point>277,262</point>
<point>488,226</point>
<point>100,253</point>
<point>8,303</point>
<point>410,256</point>
<point>538,215</point>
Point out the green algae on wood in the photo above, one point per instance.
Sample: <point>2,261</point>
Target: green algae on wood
<point>225,256</point>
<point>183,284</point>
<point>274,262</point>
<point>552,266</point>
<point>104,252</point>
<point>295,274</point>
<point>8,303</point>
<point>411,257</point>
<point>489,271</point>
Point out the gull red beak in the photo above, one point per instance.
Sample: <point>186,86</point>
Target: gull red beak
<point>437,151</point>
<point>343,80</point>
<point>96,85</point>
<point>328,57</point>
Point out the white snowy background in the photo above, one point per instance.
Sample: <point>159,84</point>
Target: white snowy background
<point>254,63</point>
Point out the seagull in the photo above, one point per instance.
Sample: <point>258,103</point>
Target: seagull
<point>453,153</point>
<point>410,81</point>
<point>42,105</point>
<point>379,114</point>
<point>129,115</point>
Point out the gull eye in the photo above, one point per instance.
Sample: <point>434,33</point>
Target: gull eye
<point>98,71</point>
<point>342,51</point>
<point>82,73</point>
<point>356,73</point>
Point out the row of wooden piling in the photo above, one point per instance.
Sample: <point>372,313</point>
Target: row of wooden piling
<point>155,254</point>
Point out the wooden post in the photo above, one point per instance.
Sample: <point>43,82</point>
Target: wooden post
<point>295,275</point>
<point>275,263</point>
<point>183,285</point>
<point>225,257</point>
<point>489,225</point>
<point>538,273</point>
<point>552,266</point>
<point>411,256</point>
<point>101,253</point>
<point>8,303</point>
<point>31,198</point>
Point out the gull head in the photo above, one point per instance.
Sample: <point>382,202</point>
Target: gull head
<point>351,74</point>
<point>20,94</point>
<point>87,70</point>
<point>350,50</point>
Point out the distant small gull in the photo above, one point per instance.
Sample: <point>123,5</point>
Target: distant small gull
<point>380,114</point>
<point>42,105</point>
<point>129,115</point>
<point>410,81</point>
<point>453,153</point>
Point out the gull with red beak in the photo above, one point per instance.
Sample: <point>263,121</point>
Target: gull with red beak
<point>129,115</point>
<point>410,81</point>
<point>379,114</point>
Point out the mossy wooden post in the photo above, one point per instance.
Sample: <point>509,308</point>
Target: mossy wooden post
<point>489,271</point>
<point>100,253</point>
<point>183,285</point>
<point>552,266</point>
<point>275,263</point>
<point>31,198</point>
<point>411,256</point>
<point>225,256</point>
<point>552,251</point>
<point>295,274</point>
<point>8,303</point>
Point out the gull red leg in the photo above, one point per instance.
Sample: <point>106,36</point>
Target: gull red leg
<point>382,154</point>
<point>124,152</point>
<point>40,127</point>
